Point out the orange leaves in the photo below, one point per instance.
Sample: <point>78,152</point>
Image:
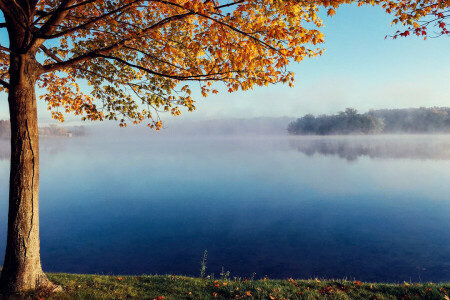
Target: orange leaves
<point>417,16</point>
<point>63,93</point>
<point>331,12</point>
<point>135,57</point>
<point>326,290</point>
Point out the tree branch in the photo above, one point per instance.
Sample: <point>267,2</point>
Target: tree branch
<point>57,17</point>
<point>105,51</point>
<point>50,26</point>
<point>4,83</point>
<point>50,54</point>
<point>5,8</point>
<point>22,11</point>
<point>155,58</point>
<point>220,22</point>
<point>43,14</point>
<point>86,25</point>
<point>5,49</point>
<point>239,31</point>
<point>177,77</point>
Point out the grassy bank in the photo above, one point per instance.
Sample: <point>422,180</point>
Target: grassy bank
<point>180,287</point>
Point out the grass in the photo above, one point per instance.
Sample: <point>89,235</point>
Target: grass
<point>181,287</point>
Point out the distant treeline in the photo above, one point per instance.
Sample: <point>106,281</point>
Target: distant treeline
<point>411,120</point>
<point>48,131</point>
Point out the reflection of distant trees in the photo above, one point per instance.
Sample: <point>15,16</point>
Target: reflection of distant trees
<point>49,146</point>
<point>5,149</point>
<point>351,148</point>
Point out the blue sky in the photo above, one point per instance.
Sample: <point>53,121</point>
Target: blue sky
<point>360,69</point>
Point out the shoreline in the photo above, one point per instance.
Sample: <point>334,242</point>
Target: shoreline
<point>83,286</point>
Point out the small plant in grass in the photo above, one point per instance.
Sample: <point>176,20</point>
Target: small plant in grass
<point>203,264</point>
<point>224,275</point>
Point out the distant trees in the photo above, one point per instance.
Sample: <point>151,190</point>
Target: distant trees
<point>412,120</point>
<point>346,122</point>
<point>5,128</point>
<point>52,130</point>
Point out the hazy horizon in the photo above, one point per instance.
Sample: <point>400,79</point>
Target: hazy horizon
<point>359,69</point>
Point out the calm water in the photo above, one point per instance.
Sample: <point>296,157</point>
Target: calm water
<point>367,208</point>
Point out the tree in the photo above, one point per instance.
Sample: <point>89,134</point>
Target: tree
<point>345,122</point>
<point>136,57</point>
<point>419,16</point>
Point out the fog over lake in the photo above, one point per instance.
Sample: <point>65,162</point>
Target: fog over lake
<point>367,207</point>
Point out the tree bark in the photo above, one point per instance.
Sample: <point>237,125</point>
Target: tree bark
<point>22,266</point>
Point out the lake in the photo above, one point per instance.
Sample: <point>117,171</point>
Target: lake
<point>367,208</point>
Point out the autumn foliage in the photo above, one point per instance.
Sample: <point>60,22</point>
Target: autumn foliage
<point>137,57</point>
<point>130,60</point>
<point>420,17</point>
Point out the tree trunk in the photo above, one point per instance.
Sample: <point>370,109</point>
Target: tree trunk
<point>22,266</point>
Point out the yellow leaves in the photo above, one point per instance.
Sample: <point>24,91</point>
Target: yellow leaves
<point>64,93</point>
<point>186,89</point>
<point>158,125</point>
<point>248,44</point>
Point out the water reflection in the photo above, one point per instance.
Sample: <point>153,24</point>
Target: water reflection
<point>51,146</point>
<point>128,205</point>
<point>5,149</point>
<point>350,148</point>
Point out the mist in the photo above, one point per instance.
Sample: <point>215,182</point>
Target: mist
<point>274,130</point>
<point>177,127</point>
<point>247,192</point>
